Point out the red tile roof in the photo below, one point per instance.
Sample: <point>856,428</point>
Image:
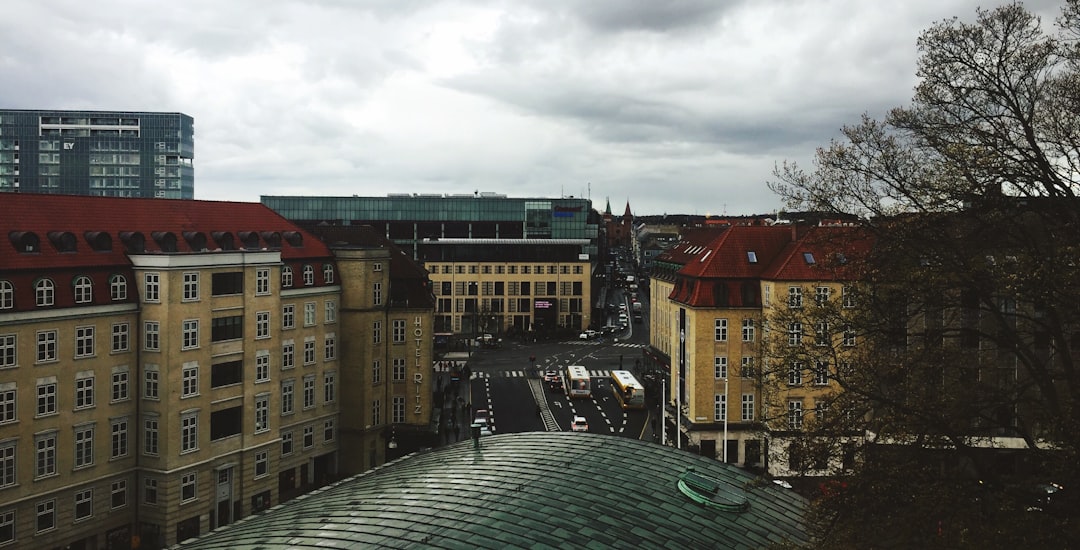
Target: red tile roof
<point>823,254</point>
<point>80,216</point>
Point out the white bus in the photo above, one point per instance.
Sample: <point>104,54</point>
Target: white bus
<point>576,382</point>
<point>629,392</point>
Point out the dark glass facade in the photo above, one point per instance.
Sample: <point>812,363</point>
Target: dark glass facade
<point>104,153</point>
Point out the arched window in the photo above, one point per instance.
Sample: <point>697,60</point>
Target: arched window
<point>328,273</point>
<point>44,292</point>
<point>7,295</point>
<point>286,277</point>
<point>118,288</point>
<point>309,275</point>
<point>84,290</point>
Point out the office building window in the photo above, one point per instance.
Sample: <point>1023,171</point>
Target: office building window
<point>720,367</point>
<point>262,324</point>
<point>189,432</point>
<point>795,374</point>
<point>795,415</point>
<point>45,454</point>
<point>151,287</point>
<point>151,336</point>
<point>795,333</point>
<point>84,341</point>
<point>288,316</point>
<point>44,293</point>
<point>188,486</point>
<point>287,387</point>
<point>119,441</point>
<point>84,446</point>
<point>190,332</point>
<point>46,346</point>
<point>119,384</point>
<point>720,330</point>
<point>151,378</point>
<point>189,380</point>
<point>84,390</point>
<point>747,369</point>
<point>262,281</point>
<point>719,407</point>
<point>794,297</point>
<point>191,286</point>
<point>46,396</point>
<point>821,373</point>
<point>747,330</point>
<point>262,366</point>
<point>747,407</point>
<point>150,436</point>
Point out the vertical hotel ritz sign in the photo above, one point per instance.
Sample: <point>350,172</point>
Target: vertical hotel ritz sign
<point>418,374</point>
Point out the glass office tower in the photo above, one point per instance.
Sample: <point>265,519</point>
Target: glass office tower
<point>104,153</point>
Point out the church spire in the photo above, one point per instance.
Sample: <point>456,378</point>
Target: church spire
<point>607,209</point>
<point>626,215</point>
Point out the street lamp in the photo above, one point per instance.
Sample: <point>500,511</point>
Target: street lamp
<point>393,441</point>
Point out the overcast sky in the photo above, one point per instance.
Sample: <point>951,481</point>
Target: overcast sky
<point>677,106</point>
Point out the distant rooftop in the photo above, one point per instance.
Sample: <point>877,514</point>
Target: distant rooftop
<point>533,490</point>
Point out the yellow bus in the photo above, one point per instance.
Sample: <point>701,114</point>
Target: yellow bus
<point>577,382</point>
<point>629,392</point>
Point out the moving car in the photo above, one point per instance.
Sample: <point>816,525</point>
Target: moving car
<point>484,419</point>
<point>588,334</point>
<point>579,424</point>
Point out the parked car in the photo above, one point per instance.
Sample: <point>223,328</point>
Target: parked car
<point>579,424</point>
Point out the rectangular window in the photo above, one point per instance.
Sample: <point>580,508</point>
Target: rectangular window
<point>226,328</point>
<point>328,430</point>
<point>262,366</point>
<point>821,295</point>
<point>719,407</point>
<point>821,333</point>
<point>376,372</point>
<point>398,411</point>
<point>8,348</point>
<point>151,287</point>
<point>119,337</point>
<point>189,380</point>
<point>821,373</point>
<point>46,396</point>
<point>376,332</point>
<point>309,314</point>
<point>847,295</point>
<point>795,415</point>
<point>7,526</point>
<point>720,368</point>
<point>720,330</point>
<point>45,455</point>
<point>262,324</point>
<point>189,432</point>
<point>309,350</point>
<point>288,354</point>
<point>150,436</point>
<point>84,446</point>
<point>329,389</point>
<point>262,281</point>
<point>150,491</point>
<point>84,341</point>
<point>84,504</point>
<point>288,316</point>
<point>795,374</point>
<point>331,312</point>
<point>230,283</point>
<point>794,297</point>
<point>795,334</point>
<point>227,373</point>
<point>399,370</point>
<point>748,407</point>
<point>151,336</point>
<point>46,346</point>
<point>7,464</point>
<point>191,286</point>
<point>376,293</point>
<point>119,438</point>
<point>747,368</point>
<point>309,437</point>
<point>309,391</point>
<point>190,334</point>
<point>150,382</point>
<point>119,384</point>
<point>46,516</point>
<point>399,331</point>
<point>286,443</point>
<point>8,393</point>
<point>747,330</point>
<point>376,412</point>
<point>262,412</point>
<point>188,485</point>
<point>262,464</point>
<point>287,387</point>
<point>329,347</point>
<point>84,390</point>
<point>849,336</point>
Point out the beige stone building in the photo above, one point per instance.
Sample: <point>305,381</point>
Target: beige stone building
<point>168,367</point>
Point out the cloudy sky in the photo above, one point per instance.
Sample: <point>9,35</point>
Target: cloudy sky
<point>677,106</point>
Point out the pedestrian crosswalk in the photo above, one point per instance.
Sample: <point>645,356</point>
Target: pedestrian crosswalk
<point>604,343</point>
<point>526,374</point>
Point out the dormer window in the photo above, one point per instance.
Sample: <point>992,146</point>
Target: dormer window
<point>118,288</point>
<point>751,256</point>
<point>286,277</point>
<point>25,242</point>
<point>84,290</point>
<point>309,275</point>
<point>7,295</point>
<point>328,273</point>
<point>44,293</point>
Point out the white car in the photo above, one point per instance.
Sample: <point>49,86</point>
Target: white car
<point>588,335</point>
<point>579,424</point>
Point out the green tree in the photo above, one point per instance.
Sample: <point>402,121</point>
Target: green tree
<point>969,319</point>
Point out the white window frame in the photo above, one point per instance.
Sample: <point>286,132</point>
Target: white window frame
<point>84,390</point>
<point>747,407</point>
<point>151,336</point>
<point>118,288</point>
<point>288,396</point>
<point>151,388</point>
<point>262,366</point>
<point>151,443</point>
<point>719,407</point>
<point>720,330</point>
<point>190,286</point>
<point>83,447</point>
<point>9,351</point>
<point>189,481</point>
<point>84,342</point>
<point>309,314</point>
<point>262,325</point>
<point>47,346</point>
<point>308,274</point>
<point>329,386</point>
<point>189,334</point>
<point>44,293</point>
<point>189,380</point>
<point>189,432</point>
<point>47,394</point>
<point>328,273</point>
<point>121,337</point>
<point>330,347</point>
<point>748,330</point>
<point>262,281</point>
<point>309,392</point>
<point>720,367</point>
<point>309,350</point>
<point>7,295</point>
<point>120,387</point>
<point>330,314</point>
<point>262,412</point>
<point>288,316</point>
<point>152,287</point>
<point>119,442</point>
<point>84,290</point>
<point>45,454</point>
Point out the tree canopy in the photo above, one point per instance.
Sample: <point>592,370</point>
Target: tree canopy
<point>965,389</point>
